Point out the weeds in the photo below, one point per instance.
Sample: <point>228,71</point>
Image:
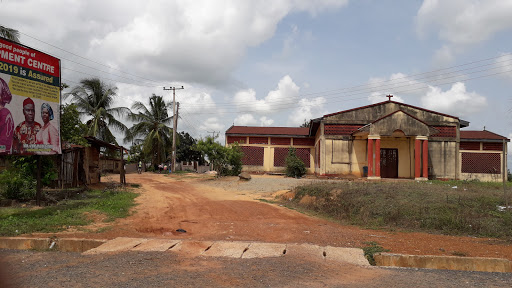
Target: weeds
<point>471,208</point>
<point>371,249</point>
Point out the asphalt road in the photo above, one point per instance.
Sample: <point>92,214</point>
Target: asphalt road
<point>163,269</point>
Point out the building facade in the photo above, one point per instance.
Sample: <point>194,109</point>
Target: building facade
<point>383,140</point>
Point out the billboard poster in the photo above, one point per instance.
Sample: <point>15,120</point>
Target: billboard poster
<point>29,101</point>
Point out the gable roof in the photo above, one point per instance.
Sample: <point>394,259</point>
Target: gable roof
<point>390,101</point>
<point>253,130</point>
<point>481,135</point>
<point>425,125</point>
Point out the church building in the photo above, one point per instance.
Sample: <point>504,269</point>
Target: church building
<point>384,140</point>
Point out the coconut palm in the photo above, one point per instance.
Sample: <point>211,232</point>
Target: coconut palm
<point>151,128</point>
<point>10,34</point>
<point>94,100</point>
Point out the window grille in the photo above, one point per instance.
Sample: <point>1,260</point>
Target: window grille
<point>280,141</point>
<point>493,146</point>
<point>233,139</point>
<point>486,163</point>
<point>280,155</point>
<point>258,140</point>
<point>469,145</point>
<point>252,155</point>
<point>304,141</point>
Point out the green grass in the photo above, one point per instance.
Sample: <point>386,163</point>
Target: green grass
<point>433,206</point>
<point>114,204</point>
<point>371,249</point>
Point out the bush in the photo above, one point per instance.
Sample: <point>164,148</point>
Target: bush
<point>14,184</point>
<point>294,166</point>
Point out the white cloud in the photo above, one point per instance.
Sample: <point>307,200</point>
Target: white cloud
<point>397,84</point>
<point>212,124</point>
<point>464,22</point>
<point>504,64</point>
<point>246,120</point>
<point>308,109</point>
<point>456,101</point>
<point>286,94</point>
<point>264,121</point>
<point>461,23</point>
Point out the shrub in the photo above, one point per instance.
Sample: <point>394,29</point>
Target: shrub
<point>294,166</point>
<point>14,184</point>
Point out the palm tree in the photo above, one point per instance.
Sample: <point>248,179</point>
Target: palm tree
<point>94,100</point>
<point>10,34</point>
<point>151,128</point>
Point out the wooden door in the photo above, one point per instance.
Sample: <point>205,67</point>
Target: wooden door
<point>388,163</point>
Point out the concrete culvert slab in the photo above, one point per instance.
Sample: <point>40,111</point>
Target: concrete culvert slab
<point>156,245</point>
<point>348,255</point>
<point>305,250</point>
<point>261,250</point>
<point>117,245</point>
<point>191,248</point>
<point>227,249</point>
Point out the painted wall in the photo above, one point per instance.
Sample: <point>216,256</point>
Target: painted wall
<point>442,157</point>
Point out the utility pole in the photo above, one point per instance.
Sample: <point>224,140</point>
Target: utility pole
<point>213,133</point>
<point>174,126</point>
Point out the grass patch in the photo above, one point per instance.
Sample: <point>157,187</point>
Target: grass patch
<point>432,206</point>
<point>371,249</point>
<point>113,203</point>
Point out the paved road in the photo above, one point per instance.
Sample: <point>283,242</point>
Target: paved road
<point>165,269</point>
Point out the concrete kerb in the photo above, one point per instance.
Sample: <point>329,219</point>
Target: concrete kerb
<point>255,250</point>
<point>66,245</point>
<point>444,262</point>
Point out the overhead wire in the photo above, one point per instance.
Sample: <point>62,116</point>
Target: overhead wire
<point>93,61</point>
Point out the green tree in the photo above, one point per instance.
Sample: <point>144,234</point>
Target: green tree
<point>151,128</point>
<point>185,151</point>
<point>10,34</point>
<point>294,166</point>
<point>305,124</point>
<point>72,130</point>
<point>225,160</point>
<point>94,100</point>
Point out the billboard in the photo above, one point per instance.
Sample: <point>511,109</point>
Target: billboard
<point>29,101</point>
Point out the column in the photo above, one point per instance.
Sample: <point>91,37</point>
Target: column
<point>417,158</point>
<point>370,157</point>
<point>377,157</point>
<point>425,158</point>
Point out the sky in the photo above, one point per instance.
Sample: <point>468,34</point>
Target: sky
<point>281,63</point>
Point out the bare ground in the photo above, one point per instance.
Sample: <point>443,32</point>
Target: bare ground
<point>229,209</point>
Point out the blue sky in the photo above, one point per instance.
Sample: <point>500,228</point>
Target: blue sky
<point>277,63</point>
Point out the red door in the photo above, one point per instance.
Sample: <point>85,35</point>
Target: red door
<point>388,163</point>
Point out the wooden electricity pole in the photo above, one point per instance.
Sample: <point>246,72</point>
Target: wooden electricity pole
<point>174,126</point>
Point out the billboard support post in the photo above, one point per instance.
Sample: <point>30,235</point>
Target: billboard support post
<point>38,179</point>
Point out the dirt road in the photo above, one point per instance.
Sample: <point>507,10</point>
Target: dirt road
<point>228,209</point>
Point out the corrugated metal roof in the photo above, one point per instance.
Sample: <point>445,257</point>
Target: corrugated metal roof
<point>248,130</point>
<point>469,134</point>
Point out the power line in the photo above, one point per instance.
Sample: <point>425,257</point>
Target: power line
<point>276,108</point>
<point>371,87</point>
<point>96,62</point>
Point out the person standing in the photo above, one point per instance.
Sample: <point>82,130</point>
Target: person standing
<point>48,134</point>
<point>6,120</point>
<point>25,133</point>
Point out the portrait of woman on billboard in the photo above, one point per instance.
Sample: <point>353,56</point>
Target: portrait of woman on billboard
<point>6,120</point>
<point>48,135</point>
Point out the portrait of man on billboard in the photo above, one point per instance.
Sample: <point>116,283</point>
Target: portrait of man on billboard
<point>26,131</point>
